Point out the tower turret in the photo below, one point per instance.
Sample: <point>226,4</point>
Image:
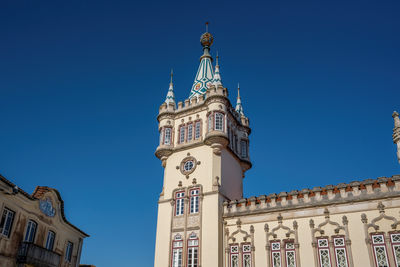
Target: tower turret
<point>204,151</point>
<point>396,133</point>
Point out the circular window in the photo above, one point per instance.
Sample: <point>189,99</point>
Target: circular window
<point>188,166</point>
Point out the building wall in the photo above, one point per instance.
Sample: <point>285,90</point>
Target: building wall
<point>28,209</point>
<point>381,203</point>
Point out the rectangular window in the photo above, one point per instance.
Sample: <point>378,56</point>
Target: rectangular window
<point>276,254</point>
<point>193,253</point>
<point>50,240</point>
<point>210,123</point>
<point>235,144</point>
<point>6,222</point>
<point>379,249</point>
<point>30,232</point>
<point>219,122</point>
<point>395,241</point>
<point>243,148</point>
<point>234,256</point>
<point>339,245</point>
<point>246,250</point>
<point>290,254</point>
<point>180,203</point>
<point>167,138</point>
<point>323,253</point>
<point>181,134</point>
<point>68,251</point>
<point>190,132</point>
<point>194,200</point>
<point>197,130</point>
<point>177,247</point>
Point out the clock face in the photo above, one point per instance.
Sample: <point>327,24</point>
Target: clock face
<point>188,165</point>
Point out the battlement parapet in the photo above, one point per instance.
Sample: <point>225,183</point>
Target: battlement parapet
<point>356,191</point>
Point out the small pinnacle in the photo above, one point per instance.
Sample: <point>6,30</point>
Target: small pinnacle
<point>217,57</point>
<point>172,74</point>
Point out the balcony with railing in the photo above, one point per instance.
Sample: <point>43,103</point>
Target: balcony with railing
<point>29,253</point>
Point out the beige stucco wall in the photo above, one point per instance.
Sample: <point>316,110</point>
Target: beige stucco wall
<point>26,209</point>
<point>352,211</point>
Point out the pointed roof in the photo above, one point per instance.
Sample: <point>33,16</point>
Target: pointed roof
<point>239,108</point>
<point>217,77</point>
<point>204,75</point>
<point>170,95</point>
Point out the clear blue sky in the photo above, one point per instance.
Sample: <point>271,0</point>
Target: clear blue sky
<point>81,83</point>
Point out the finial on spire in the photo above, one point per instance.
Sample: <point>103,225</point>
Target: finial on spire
<point>217,81</point>
<point>170,95</point>
<point>217,57</point>
<point>239,108</point>
<point>207,26</point>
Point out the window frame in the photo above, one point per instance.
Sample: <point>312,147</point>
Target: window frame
<point>234,253</point>
<point>69,248</point>
<point>193,247</point>
<point>337,247</point>
<point>222,117</point>
<point>244,145</point>
<point>194,198</point>
<point>169,131</point>
<point>190,127</point>
<point>182,134</point>
<point>178,238</point>
<point>246,253</point>
<point>210,122</point>
<point>179,203</point>
<point>28,227</point>
<point>276,251</point>
<point>287,250</point>
<point>374,245</point>
<point>47,240</point>
<point>197,123</point>
<point>6,217</point>
<point>320,248</point>
<point>394,244</point>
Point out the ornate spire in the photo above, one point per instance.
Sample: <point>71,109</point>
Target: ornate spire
<point>239,108</point>
<point>170,95</point>
<point>396,133</point>
<point>217,77</point>
<point>204,76</point>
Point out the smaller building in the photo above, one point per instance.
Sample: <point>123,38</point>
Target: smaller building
<point>34,231</point>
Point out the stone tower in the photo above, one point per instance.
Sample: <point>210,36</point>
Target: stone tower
<point>204,149</point>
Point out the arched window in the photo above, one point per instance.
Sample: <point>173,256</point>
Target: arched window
<point>193,251</point>
<point>30,231</point>
<point>219,122</point>
<point>177,249</point>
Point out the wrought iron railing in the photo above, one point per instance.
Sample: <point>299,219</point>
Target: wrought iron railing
<point>35,255</point>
